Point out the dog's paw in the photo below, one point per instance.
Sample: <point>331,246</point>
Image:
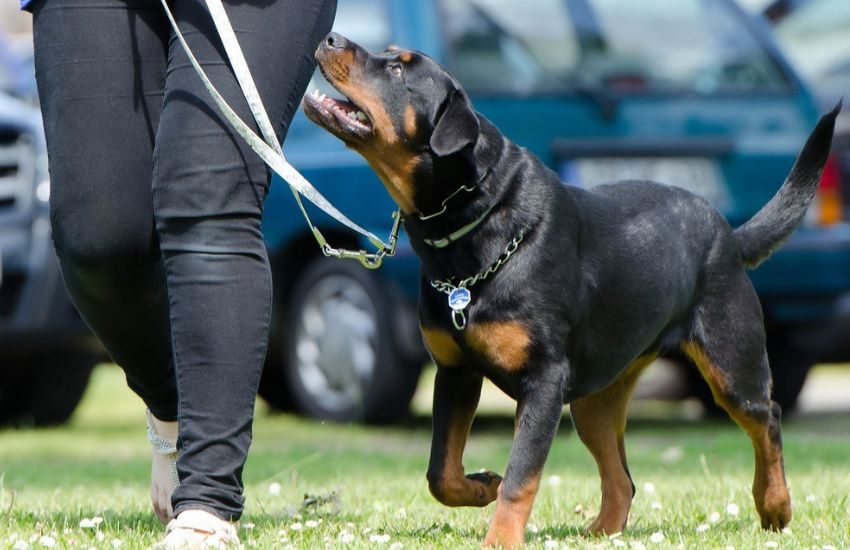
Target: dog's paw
<point>776,516</point>
<point>486,485</point>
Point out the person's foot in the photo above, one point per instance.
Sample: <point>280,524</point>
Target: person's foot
<point>163,437</point>
<point>198,530</point>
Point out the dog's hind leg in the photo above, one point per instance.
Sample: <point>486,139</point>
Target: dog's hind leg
<point>456,394</point>
<point>600,420</point>
<point>728,348</point>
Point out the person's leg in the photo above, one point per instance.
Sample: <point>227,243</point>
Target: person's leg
<point>101,78</point>
<point>208,197</point>
<point>101,73</point>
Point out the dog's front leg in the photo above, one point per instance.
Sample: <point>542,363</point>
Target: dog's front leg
<point>456,394</point>
<point>537,419</point>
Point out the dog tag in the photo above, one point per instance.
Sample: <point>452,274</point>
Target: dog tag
<point>459,299</point>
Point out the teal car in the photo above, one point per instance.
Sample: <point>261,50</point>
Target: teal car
<point>692,93</point>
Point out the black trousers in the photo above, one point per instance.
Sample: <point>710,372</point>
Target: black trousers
<point>156,206</point>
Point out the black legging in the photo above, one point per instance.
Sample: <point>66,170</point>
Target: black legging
<point>156,206</point>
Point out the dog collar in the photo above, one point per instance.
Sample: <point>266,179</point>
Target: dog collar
<point>452,237</point>
<point>459,295</point>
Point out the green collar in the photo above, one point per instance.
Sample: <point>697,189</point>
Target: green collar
<point>452,237</point>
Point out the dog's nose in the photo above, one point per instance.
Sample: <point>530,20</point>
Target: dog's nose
<point>335,41</point>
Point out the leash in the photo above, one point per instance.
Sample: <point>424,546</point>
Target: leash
<point>459,295</point>
<point>268,147</point>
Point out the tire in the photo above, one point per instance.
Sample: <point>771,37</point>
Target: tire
<point>43,391</point>
<point>342,353</point>
<point>790,368</point>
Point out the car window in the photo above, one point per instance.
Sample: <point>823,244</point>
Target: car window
<point>366,22</point>
<point>536,46</point>
<point>816,38</point>
<point>505,45</point>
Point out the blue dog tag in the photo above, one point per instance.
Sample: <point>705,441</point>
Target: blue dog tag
<point>459,299</point>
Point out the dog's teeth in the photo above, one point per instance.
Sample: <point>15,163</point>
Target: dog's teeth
<point>362,116</point>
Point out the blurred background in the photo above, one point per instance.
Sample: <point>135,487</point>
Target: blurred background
<point>716,96</point>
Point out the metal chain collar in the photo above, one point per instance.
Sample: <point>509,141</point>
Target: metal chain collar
<point>459,295</point>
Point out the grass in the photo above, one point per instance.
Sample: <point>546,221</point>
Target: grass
<point>366,486</point>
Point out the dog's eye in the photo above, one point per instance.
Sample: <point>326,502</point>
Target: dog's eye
<point>395,69</point>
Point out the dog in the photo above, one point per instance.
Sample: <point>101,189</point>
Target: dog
<point>557,294</point>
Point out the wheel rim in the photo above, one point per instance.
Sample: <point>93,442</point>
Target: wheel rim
<point>335,344</point>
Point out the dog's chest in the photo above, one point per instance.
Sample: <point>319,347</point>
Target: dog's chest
<point>501,345</point>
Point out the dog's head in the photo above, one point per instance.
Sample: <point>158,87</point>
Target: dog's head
<point>403,112</point>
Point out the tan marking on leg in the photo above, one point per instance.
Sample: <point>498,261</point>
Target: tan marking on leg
<point>507,528</point>
<point>503,343</point>
<point>770,491</point>
<point>455,488</point>
<point>713,375</point>
<point>600,420</point>
<point>442,347</point>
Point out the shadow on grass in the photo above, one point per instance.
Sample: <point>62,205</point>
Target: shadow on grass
<point>825,424</point>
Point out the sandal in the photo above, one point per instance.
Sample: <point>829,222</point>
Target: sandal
<point>163,469</point>
<point>198,530</point>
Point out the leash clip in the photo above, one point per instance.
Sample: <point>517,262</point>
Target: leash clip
<point>369,260</point>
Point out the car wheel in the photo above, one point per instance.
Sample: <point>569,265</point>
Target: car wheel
<point>342,352</point>
<point>790,368</point>
<point>44,391</point>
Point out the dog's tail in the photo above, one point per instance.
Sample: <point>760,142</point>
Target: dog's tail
<point>762,234</point>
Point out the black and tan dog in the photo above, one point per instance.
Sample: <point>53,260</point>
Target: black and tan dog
<point>556,294</point>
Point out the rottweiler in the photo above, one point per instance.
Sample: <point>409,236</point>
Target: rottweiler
<point>558,294</point>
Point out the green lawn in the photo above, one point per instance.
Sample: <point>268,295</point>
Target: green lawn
<point>367,487</point>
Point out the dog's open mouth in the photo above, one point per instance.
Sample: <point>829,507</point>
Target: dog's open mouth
<point>340,116</point>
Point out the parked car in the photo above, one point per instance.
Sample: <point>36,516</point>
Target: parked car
<point>813,34</point>
<point>693,93</point>
<point>46,352</point>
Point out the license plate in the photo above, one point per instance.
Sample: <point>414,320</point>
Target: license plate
<point>696,174</point>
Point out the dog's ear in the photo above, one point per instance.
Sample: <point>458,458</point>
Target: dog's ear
<point>456,125</point>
